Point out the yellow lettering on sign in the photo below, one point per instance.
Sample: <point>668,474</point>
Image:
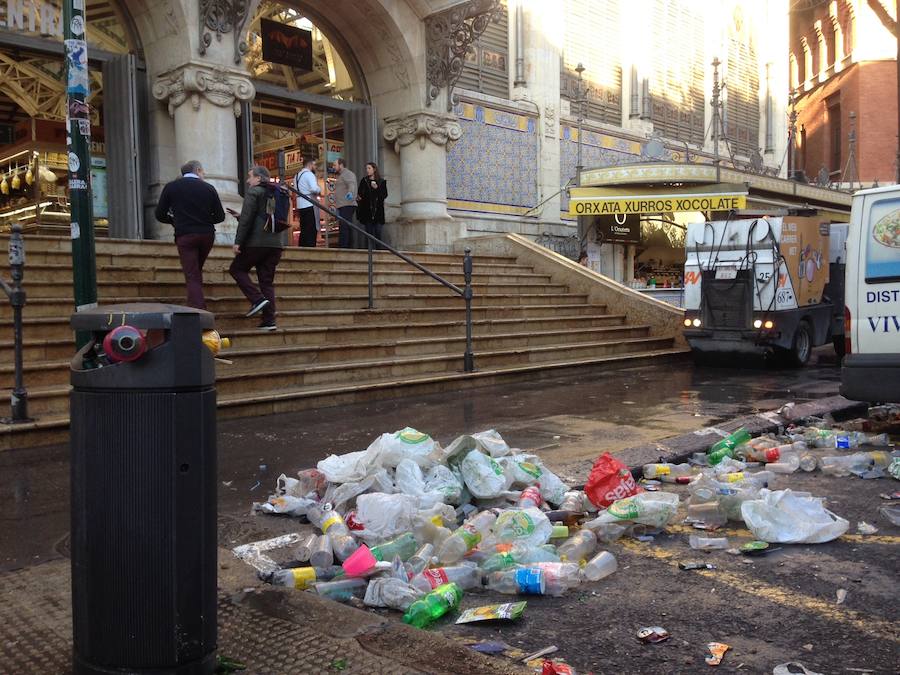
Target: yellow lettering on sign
<point>600,206</point>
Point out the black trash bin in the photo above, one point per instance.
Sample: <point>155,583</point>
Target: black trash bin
<point>143,457</point>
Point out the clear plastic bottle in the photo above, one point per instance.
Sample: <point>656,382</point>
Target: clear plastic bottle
<point>578,547</point>
<point>302,578</point>
<point>305,548</point>
<point>573,501</point>
<point>601,565</point>
<point>559,577</point>
<point>531,496</point>
<point>519,580</point>
<point>520,554</point>
<point>433,606</point>
<point>466,537</point>
<point>403,546</point>
<point>332,523</point>
<point>707,543</point>
<point>322,554</point>
<point>420,560</point>
<point>669,473</point>
<point>788,462</point>
<point>808,462</point>
<point>464,576</point>
<point>342,589</point>
<point>844,465</point>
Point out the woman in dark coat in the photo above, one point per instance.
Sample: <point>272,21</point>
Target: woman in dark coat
<point>371,194</point>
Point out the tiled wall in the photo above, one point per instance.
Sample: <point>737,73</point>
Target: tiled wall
<point>492,168</point>
<point>597,150</point>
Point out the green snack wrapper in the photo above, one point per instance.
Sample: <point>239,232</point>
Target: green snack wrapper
<point>508,610</point>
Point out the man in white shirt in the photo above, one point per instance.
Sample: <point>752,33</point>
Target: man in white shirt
<point>307,184</point>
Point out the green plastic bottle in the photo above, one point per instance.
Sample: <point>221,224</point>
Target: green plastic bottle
<point>433,606</point>
<point>405,546</point>
<point>725,447</point>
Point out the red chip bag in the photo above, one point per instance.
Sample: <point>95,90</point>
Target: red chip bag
<point>610,480</point>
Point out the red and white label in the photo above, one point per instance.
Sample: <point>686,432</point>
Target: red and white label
<point>435,577</point>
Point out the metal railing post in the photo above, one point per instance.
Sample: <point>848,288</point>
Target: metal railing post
<point>19,398</point>
<point>371,291</point>
<point>469,356</point>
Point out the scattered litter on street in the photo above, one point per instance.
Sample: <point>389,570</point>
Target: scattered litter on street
<point>696,566</point>
<point>865,528</point>
<point>793,668</point>
<point>508,610</point>
<point>552,649</point>
<point>653,634</point>
<point>841,595</point>
<point>716,652</point>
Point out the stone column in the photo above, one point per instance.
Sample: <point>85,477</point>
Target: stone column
<point>422,138</point>
<point>204,101</point>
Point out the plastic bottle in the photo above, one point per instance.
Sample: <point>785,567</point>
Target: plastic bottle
<point>668,473</point>
<point>725,447</point>
<point>433,606</point>
<point>464,576</point>
<point>404,546</point>
<point>601,565</point>
<point>808,462</point>
<point>524,580</point>
<point>466,537</point>
<point>573,501</point>
<point>343,589</point>
<point>305,548</point>
<point>567,518</point>
<point>559,577</point>
<point>531,496</point>
<point>302,578</point>
<point>578,547</point>
<point>844,465</point>
<point>332,523</point>
<point>520,554</point>
<point>420,560</point>
<point>708,543</point>
<point>322,553</point>
<point>789,462</point>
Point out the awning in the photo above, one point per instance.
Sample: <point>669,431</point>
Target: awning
<point>618,201</point>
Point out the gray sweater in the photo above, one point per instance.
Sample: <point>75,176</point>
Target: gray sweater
<point>250,232</point>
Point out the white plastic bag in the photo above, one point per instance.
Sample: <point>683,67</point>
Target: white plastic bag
<point>406,443</point>
<point>654,509</point>
<point>384,516</point>
<point>339,494</point>
<point>483,476</point>
<point>553,490</point>
<point>489,442</point>
<point>391,592</point>
<point>409,478</point>
<point>442,480</point>
<point>521,470</point>
<point>351,467</point>
<point>526,526</point>
<point>285,505</point>
<point>784,517</point>
<point>492,443</point>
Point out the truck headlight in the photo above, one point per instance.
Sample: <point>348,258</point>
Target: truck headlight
<point>687,323</point>
<point>769,325</point>
<point>696,323</point>
<point>757,323</point>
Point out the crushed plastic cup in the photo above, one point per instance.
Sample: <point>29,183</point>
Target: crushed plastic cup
<point>601,565</point>
<point>359,562</point>
<point>708,543</point>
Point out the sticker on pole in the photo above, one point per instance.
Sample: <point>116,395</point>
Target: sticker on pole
<point>77,25</point>
<point>76,67</point>
<point>74,162</point>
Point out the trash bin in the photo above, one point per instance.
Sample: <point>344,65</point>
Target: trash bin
<point>143,471</point>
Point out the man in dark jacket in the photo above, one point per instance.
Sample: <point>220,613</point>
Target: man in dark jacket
<point>256,246</point>
<point>193,207</point>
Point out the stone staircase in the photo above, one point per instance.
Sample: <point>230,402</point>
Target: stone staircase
<point>329,348</point>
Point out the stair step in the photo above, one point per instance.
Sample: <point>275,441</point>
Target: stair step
<point>53,428</point>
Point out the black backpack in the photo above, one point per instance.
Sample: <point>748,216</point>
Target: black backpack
<point>278,208</point>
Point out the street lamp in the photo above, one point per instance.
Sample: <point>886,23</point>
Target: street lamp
<point>580,98</point>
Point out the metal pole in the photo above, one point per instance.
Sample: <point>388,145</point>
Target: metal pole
<point>371,291</point>
<point>469,356</point>
<point>715,121</point>
<point>19,397</point>
<point>520,46</point>
<point>792,137</point>
<point>325,175</point>
<point>897,30</point>
<point>578,165</point>
<point>84,266</point>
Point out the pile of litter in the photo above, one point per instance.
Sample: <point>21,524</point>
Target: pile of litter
<point>410,525</point>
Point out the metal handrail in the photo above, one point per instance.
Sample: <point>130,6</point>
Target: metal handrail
<point>19,397</point>
<point>465,292</point>
<point>569,183</point>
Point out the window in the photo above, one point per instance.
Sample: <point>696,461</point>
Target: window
<point>588,24</point>
<point>487,64</point>
<point>742,97</point>
<point>834,137</point>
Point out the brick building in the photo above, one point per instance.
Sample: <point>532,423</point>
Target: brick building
<point>843,69</point>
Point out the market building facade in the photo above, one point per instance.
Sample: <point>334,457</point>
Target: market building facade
<point>475,111</point>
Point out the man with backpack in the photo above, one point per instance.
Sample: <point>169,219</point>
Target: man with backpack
<point>259,241</point>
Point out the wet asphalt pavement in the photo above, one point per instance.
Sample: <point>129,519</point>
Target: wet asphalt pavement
<point>568,420</point>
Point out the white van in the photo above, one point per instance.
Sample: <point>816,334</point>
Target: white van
<point>871,367</point>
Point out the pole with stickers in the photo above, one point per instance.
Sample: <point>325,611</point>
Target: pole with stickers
<point>78,139</point>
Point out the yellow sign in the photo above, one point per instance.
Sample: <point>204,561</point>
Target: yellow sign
<point>652,203</point>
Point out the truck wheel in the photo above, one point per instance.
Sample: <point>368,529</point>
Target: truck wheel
<point>839,347</point>
<point>801,348</point>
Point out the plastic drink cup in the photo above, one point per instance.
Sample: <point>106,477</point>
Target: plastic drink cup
<point>601,565</point>
<point>359,562</point>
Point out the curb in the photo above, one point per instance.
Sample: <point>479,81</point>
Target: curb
<point>677,449</point>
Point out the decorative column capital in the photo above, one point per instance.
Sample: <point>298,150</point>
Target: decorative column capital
<point>196,82</point>
<point>422,126</point>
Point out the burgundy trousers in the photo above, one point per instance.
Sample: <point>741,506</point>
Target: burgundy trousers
<point>193,250</point>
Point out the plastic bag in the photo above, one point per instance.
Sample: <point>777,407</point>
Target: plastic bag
<point>654,509</point>
<point>351,467</point>
<point>492,443</point>
<point>285,505</point>
<point>385,516</point>
<point>410,480</point>
<point>442,480</point>
<point>405,444</point>
<point>391,592</point>
<point>489,442</point>
<point>521,470</point>
<point>339,494</point>
<point>483,476</point>
<point>610,480</point>
<point>553,490</point>
<point>527,526</point>
<point>784,517</point>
